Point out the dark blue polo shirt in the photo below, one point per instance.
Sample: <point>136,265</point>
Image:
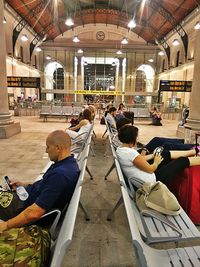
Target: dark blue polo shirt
<point>56,187</point>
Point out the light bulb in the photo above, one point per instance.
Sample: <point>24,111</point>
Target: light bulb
<point>69,22</point>
<point>132,24</point>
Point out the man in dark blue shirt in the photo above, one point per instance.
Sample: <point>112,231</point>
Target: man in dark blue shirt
<point>56,187</point>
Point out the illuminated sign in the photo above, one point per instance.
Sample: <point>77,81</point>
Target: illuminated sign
<point>95,92</point>
<point>23,82</point>
<point>175,86</point>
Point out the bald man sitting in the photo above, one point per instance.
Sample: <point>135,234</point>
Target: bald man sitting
<point>53,191</point>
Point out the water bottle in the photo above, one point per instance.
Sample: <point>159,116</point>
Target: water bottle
<point>22,193</point>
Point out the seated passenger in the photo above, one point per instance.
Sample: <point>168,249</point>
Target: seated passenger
<point>120,112</point>
<point>53,191</point>
<point>156,117</point>
<point>149,168</point>
<point>110,117</point>
<point>83,126</point>
<point>93,111</point>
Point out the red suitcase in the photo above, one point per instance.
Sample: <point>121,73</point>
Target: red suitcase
<point>187,190</point>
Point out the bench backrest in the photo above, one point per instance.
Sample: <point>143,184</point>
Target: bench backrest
<point>56,110</point>
<point>45,109</point>
<point>67,228</point>
<point>140,112</point>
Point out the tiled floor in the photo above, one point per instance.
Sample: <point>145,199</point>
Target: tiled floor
<point>97,243</point>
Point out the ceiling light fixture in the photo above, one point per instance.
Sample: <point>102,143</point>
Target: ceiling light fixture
<point>175,42</point>
<point>69,22</point>
<point>119,52</point>
<point>151,60</point>
<point>197,25</point>
<point>76,39</point>
<point>4,20</point>
<point>24,38</point>
<point>124,41</point>
<point>132,24</point>
<point>38,49</point>
<point>80,51</point>
<point>48,57</point>
<point>161,53</point>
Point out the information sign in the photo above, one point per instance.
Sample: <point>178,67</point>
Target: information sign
<point>23,82</point>
<point>175,86</point>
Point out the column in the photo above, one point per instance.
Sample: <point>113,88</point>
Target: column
<point>193,122</point>
<point>7,125</point>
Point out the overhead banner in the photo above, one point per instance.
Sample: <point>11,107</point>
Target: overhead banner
<point>23,82</point>
<point>95,92</point>
<point>175,86</point>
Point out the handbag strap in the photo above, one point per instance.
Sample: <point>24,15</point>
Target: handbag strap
<point>160,209</point>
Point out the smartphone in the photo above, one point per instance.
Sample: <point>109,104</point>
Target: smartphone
<point>159,150</point>
<point>7,182</point>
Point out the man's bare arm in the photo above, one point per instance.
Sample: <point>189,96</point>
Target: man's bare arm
<point>29,215</point>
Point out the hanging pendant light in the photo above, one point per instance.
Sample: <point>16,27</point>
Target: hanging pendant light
<point>38,49</point>
<point>175,42</point>
<point>119,52</point>
<point>132,24</point>
<point>124,41</point>
<point>76,39</point>
<point>197,25</point>
<point>24,38</point>
<point>69,22</point>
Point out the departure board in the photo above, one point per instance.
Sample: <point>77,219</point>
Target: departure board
<point>175,86</point>
<point>23,82</point>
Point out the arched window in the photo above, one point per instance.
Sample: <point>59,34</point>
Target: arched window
<point>144,78</point>
<point>54,79</point>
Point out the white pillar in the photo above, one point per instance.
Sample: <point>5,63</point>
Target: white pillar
<point>7,125</point>
<point>193,122</point>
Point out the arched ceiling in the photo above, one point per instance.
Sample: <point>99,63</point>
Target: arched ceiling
<point>154,18</point>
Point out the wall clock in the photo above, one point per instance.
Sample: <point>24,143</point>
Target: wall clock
<point>100,35</point>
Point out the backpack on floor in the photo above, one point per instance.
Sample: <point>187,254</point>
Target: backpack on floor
<point>27,246</point>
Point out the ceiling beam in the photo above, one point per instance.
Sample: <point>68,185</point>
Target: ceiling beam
<point>156,5</point>
<point>23,22</point>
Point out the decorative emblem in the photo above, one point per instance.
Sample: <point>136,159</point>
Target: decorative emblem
<point>100,35</point>
<point>5,199</point>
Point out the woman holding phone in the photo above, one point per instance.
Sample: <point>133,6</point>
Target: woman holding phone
<point>162,165</point>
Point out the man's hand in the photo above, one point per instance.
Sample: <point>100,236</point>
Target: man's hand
<point>15,183</point>
<point>3,227</point>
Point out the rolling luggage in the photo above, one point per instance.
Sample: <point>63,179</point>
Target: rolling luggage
<point>187,190</point>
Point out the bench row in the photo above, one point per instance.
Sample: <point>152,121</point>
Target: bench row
<point>59,111</point>
<point>153,227</point>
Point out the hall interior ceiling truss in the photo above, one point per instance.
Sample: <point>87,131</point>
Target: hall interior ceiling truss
<point>154,18</point>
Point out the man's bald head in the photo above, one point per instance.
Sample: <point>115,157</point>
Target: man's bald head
<point>58,145</point>
<point>59,137</point>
